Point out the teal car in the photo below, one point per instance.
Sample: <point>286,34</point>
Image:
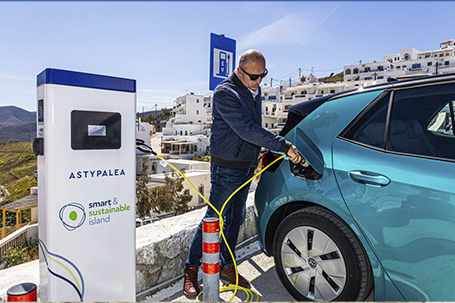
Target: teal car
<point>373,216</point>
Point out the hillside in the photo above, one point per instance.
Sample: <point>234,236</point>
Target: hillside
<point>333,78</point>
<point>16,124</point>
<point>18,133</point>
<point>17,164</point>
<point>13,115</point>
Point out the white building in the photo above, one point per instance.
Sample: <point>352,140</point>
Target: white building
<point>144,131</point>
<point>408,63</point>
<point>192,116</point>
<point>187,133</point>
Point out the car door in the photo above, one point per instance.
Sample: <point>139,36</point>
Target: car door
<point>394,166</point>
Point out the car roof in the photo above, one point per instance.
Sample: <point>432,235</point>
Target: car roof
<point>397,83</point>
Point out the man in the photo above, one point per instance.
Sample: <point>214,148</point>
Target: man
<point>235,142</point>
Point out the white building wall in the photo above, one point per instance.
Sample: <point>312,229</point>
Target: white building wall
<point>187,129</point>
<point>192,116</point>
<point>150,161</point>
<point>195,110</point>
<point>202,183</point>
<point>143,131</point>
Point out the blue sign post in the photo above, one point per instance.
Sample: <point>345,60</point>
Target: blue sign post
<point>222,59</point>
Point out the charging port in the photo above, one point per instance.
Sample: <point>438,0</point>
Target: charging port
<point>304,172</point>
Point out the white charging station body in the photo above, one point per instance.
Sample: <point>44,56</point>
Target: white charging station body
<point>86,186</point>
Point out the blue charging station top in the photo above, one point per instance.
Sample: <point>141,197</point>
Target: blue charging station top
<point>65,77</point>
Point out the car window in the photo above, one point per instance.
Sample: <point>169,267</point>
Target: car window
<point>419,120</point>
<point>369,129</point>
<point>442,122</point>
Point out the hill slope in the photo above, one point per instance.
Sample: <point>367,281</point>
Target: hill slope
<point>333,78</point>
<point>17,124</point>
<point>17,164</point>
<point>18,133</point>
<point>13,115</point>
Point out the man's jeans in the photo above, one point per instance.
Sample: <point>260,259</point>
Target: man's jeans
<point>224,182</point>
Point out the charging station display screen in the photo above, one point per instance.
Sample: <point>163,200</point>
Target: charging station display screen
<point>40,111</point>
<point>95,130</point>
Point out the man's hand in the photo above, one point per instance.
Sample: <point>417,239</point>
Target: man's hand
<point>294,155</point>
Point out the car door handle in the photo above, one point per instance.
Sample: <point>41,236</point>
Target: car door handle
<point>369,178</point>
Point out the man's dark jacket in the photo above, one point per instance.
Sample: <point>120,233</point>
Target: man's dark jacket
<point>237,134</point>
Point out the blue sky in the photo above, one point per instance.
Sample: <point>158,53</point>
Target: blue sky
<point>165,46</point>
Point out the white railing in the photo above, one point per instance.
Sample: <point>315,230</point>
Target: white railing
<point>18,237</point>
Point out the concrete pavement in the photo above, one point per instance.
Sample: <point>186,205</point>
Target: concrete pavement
<point>254,265</point>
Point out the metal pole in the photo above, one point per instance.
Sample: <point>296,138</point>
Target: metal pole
<point>211,259</point>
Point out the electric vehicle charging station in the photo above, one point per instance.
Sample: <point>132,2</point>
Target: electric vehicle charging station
<point>85,147</point>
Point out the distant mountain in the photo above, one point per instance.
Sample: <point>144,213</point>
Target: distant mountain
<point>13,115</point>
<point>17,124</point>
<point>18,133</point>
<point>148,113</point>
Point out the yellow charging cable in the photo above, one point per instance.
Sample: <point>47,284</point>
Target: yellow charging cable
<point>226,287</point>
<point>250,294</point>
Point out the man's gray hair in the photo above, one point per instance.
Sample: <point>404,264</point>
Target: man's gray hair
<point>251,55</point>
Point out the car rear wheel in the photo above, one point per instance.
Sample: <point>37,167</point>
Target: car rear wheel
<point>319,258</point>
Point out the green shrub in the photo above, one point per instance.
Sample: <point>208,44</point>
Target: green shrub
<point>202,158</point>
<point>16,256</point>
<point>22,254</point>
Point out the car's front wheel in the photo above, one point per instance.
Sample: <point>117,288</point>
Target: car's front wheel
<point>319,258</point>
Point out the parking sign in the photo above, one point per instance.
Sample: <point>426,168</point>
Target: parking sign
<point>222,59</point>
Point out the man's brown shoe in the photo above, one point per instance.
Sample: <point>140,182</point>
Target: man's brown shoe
<point>228,273</point>
<point>190,285</point>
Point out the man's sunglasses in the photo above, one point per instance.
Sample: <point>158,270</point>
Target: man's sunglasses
<point>255,77</point>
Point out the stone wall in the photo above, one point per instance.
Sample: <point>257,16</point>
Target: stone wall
<point>162,247</point>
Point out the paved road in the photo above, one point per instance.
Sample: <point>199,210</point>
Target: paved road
<point>254,265</point>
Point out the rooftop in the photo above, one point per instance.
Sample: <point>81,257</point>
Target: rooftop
<point>23,203</point>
